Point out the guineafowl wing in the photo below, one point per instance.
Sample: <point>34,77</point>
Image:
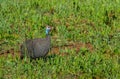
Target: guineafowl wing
<point>41,47</point>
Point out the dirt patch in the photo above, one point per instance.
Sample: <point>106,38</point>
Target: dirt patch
<point>55,50</point>
<point>11,52</point>
<point>77,46</point>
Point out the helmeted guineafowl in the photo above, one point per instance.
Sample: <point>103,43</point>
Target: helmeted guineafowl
<point>36,48</point>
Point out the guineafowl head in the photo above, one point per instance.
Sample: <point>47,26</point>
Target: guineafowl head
<point>48,28</point>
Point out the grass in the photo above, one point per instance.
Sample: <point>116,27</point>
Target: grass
<point>82,23</point>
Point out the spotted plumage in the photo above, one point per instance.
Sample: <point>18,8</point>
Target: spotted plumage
<point>36,48</point>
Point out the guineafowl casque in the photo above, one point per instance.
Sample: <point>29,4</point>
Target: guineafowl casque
<point>36,48</point>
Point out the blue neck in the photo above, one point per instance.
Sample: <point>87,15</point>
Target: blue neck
<point>47,32</point>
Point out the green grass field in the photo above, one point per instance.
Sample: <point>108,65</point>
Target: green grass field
<point>91,26</point>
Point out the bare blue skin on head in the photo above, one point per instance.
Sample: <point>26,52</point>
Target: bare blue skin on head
<point>47,30</point>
